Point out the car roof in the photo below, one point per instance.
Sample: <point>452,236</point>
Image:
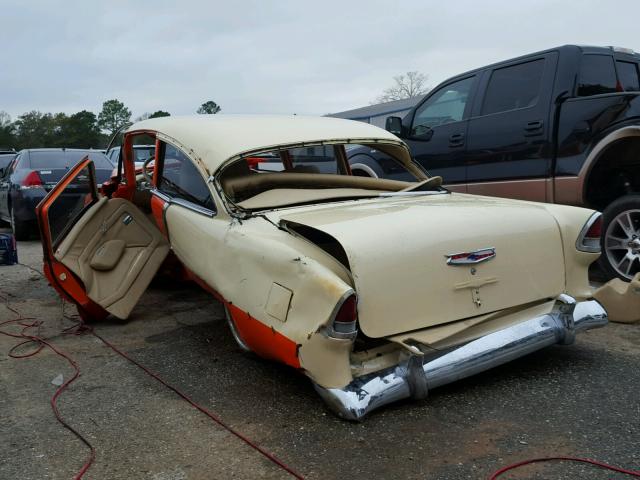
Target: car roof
<point>62,150</point>
<point>214,139</point>
<point>580,48</point>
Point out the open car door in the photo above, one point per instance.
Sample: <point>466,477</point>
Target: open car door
<point>99,253</point>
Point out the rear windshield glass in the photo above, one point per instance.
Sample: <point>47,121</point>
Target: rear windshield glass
<point>66,159</point>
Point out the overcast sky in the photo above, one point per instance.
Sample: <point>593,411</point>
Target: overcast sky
<point>305,57</point>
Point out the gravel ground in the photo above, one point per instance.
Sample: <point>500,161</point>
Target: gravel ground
<point>579,400</point>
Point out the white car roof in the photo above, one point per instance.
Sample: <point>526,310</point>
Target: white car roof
<point>213,139</point>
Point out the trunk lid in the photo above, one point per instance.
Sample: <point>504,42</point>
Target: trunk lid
<point>397,251</point>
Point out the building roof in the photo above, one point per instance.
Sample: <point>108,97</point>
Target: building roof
<point>385,108</point>
<point>214,139</point>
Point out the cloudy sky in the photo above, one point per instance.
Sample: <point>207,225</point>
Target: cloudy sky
<point>271,56</point>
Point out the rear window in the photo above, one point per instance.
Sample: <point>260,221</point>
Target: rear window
<point>513,87</point>
<point>597,75</point>
<point>628,74</point>
<point>66,159</point>
<point>316,159</point>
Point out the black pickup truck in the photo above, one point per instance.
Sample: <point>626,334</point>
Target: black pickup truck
<point>559,126</point>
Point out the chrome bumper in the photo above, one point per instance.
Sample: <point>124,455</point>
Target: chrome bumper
<point>415,377</point>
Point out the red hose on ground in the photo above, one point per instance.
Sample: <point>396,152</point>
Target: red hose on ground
<point>270,456</point>
<point>41,344</point>
<point>79,329</point>
<point>633,473</point>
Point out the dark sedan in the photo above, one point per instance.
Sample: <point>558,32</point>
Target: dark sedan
<point>33,172</point>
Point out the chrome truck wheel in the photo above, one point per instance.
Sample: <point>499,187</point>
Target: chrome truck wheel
<point>621,245</point>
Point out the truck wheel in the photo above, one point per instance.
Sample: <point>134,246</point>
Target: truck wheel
<point>621,238</point>
<point>20,229</point>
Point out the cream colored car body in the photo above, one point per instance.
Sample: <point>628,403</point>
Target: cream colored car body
<point>268,268</point>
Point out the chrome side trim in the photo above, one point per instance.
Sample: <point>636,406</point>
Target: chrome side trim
<point>193,206</point>
<point>162,196</point>
<point>415,377</point>
<point>183,203</point>
<point>234,331</point>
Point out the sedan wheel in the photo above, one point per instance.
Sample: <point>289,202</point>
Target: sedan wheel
<point>621,246</point>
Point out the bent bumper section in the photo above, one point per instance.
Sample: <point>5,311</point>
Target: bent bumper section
<point>417,375</point>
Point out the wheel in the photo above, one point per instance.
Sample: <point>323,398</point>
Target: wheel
<point>20,229</point>
<point>362,170</point>
<point>621,238</point>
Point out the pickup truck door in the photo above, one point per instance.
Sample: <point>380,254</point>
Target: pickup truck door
<point>101,253</point>
<point>438,131</point>
<point>509,145</point>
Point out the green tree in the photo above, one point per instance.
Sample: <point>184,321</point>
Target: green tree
<point>7,131</point>
<point>159,113</point>
<point>114,115</point>
<point>79,130</point>
<point>35,129</point>
<point>209,108</point>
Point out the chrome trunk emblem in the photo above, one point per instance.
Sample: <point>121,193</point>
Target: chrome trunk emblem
<point>470,258</point>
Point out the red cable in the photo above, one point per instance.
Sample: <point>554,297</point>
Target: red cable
<point>633,473</point>
<point>42,342</point>
<point>209,414</point>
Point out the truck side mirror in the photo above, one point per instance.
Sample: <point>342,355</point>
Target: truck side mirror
<point>394,125</point>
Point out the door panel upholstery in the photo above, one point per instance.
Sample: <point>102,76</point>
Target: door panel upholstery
<point>117,283</point>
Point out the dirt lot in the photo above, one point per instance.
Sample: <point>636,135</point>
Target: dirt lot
<point>579,400</point>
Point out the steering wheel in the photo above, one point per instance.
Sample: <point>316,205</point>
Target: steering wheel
<point>145,166</point>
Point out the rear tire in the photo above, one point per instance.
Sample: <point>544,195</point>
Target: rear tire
<point>621,238</point>
<point>20,229</point>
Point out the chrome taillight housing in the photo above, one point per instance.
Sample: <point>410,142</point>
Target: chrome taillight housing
<point>345,318</point>
<point>590,236</point>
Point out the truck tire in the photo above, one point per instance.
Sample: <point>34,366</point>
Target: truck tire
<point>20,229</point>
<point>621,238</point>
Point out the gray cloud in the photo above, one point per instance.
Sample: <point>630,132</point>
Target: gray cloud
<point>270,57</point>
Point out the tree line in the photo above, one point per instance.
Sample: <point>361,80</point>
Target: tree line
<point>82,129</point>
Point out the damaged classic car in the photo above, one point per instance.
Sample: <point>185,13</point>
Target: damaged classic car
<point>376,289</point>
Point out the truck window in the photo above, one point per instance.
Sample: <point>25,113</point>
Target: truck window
<point>628,74</point>
<point>597,75</point>
<point>513,87</point>
<point>444,106</point>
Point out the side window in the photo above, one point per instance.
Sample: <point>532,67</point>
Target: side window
<point>513,87</point>
<point>444,106</point>
<point>71,203</point>
<point>181,179</point>
<point>597,75</point>
<point>628,74</point>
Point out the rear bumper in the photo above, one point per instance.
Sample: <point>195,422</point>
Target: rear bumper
<point>416,376</point>
<point>24,203</point>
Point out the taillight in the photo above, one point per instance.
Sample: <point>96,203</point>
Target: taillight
<point>32,180</point>
<point>589,238</point>
<point>345,319</point>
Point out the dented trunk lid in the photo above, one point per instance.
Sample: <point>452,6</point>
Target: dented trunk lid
<point>397,249</point>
